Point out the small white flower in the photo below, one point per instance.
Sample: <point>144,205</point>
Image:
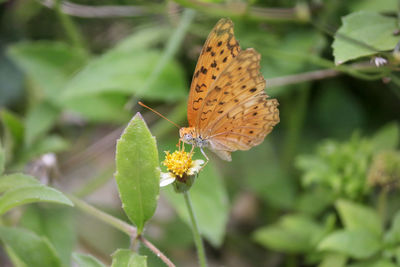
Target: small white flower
<point>167,178</point>
<point>379,61</point>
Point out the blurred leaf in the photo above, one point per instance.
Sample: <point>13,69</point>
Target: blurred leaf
<point>11,82</point>
<point>2,158</point>
<point>313,202</point>
<point>51,143</point>
<point>86,260</point>
<point>48,64</point>
<point>376,263</point>
<point>358,244</point>
<point>56,224</point>
<point>39,120</point>
<point>127,72</point>
<point>107,107</point>
<point>292,234</point>
<point>17,262</point>
<point>369,28</point>
<point>210,204</point>
<point>29,194</point>
<point>357,217</point>
<point>128,258</point>
<point>16,180</point>
<point>14,131</point>
<point>333,260</point>
<point>394,232</point>
<point>386,138</point>
<point>30,248</point>
<point>138,175</point>
<point>373,5</point>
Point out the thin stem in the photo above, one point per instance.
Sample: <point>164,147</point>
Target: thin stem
<point>70,28</point>
<point>156,251</point>
<point>111,220</point>
<point>120,225</point>
<point>196,234</point>
<point>382,203</point>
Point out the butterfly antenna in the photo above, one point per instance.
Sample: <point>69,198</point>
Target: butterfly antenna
<point>159,114</point>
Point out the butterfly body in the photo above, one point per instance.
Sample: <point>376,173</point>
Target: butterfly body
<point>228,109</point>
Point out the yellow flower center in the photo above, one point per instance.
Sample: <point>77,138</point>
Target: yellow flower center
<point>178,162</point>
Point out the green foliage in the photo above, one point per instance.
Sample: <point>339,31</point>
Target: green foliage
<point>2,158</point>
<point>30,248</point>
<point>128,258</point>
<point>292,234</point>
<point>138,174</point>
<point>211,211</point>
<point>362,34</point>
<point>87,260</point>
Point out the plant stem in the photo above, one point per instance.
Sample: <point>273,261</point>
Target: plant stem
<point>70,28</point>
<point>120,225</point>
<point>196,234</point>
<point>111,220</point>
<point>382,203</point>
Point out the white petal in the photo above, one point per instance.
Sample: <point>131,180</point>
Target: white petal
<point>166,178</point>
<point>195,167</point>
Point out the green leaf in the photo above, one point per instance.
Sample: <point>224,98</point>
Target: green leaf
<point>39,120</point>
<point>56,223</point>
<point>30,194</point>
<point>16,180</point>
<point>210,204</point>
<point>386,138</point>
<point>2,158</point>
<point>48,64</point>
<point>394,232</point>
<point>377,263</point>
<point>86,260</point>
<point>128,258</point>
<point>357,217</point>
<point>49,144</point>
<point>17,262</point>
<point>358,244</point>
<point>333,260</point>
<point>293,234</point>
<point>373,5</point>
<point>13,133</point>
<point>362,34</point>
<point>126,72</point>
<point>138,175</point>
<point>30,248</point>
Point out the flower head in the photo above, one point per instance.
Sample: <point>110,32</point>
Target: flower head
<point>181,167</point>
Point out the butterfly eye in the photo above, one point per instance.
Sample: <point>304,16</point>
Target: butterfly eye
<point>188,137</point>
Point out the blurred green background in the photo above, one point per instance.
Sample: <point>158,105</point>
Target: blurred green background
<point>71,74</point>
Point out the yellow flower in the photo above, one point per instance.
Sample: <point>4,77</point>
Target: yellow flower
<point>180,165</point>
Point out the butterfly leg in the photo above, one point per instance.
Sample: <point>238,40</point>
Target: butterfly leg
<point>204,154</point>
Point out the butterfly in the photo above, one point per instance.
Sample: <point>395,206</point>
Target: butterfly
<point>228,109</point>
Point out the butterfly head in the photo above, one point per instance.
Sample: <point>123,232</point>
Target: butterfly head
<point>187,135</point>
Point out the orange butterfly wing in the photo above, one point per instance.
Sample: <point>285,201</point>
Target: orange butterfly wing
<point>236,114</point>
<point>218,51</point>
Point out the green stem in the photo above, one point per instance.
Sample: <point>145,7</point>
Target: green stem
<point>69,27</point>
<point>111,220</point>
<point>382,203</point>
<point>196,234</point>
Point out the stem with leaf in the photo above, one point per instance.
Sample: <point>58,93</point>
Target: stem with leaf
<point>196,233</point>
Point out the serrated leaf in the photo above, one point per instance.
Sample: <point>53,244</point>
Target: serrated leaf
<point>86,260</point>
<point>30,194</point>
<point>138,174</point>
<point>358,244</point>
<point>211,211</point>
<point>128,258</point>
<point>357,217</point>
<point>30,248</point>
<point>39,120</point>
<point>15,180</point>
<point>386,138</point>
<point>364,33</point>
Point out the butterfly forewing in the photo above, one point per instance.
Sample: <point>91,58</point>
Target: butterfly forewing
<point>218,51</point>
